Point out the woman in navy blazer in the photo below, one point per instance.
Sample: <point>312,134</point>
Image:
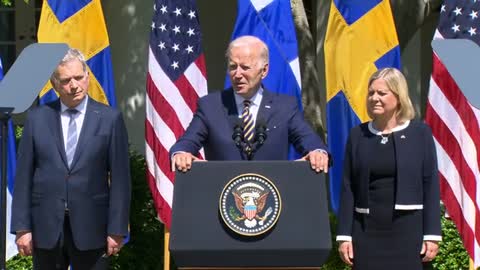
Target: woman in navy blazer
<point>390,203</point>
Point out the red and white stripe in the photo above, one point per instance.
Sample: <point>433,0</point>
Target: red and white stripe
<point>170,106</point>
<point>456,131</point>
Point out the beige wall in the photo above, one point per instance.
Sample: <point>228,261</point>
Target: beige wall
<point>128,24</point>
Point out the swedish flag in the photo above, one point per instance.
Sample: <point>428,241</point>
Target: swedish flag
<point>360,39</point>
<point>81,25</point>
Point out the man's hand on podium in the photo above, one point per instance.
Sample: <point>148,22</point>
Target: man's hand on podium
<point>182,161</point>
<point>318,160</point>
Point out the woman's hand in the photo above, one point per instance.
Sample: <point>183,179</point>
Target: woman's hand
<point>429,250</point>
<point>346,252</point>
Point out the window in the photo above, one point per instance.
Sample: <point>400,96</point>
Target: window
<point>18,29</point>
<point>7,35</point>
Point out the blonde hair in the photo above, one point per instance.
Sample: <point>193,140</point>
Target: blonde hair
<point>396,83</point>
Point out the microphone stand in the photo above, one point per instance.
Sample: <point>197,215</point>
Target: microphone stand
<point>247,147</point>
<point>237,136</point>
<point>260,137</point>
<point>240,143</point>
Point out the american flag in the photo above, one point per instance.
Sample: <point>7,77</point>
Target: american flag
<point>176,78</point>
<point>456,129</point>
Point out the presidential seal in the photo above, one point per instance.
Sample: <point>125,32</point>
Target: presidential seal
<point>250,204</point>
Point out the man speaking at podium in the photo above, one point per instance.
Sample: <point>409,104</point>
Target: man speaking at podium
<point>247,121</point>
<point>71,197</point>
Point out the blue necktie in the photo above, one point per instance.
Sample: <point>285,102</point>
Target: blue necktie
<point>72,136</point>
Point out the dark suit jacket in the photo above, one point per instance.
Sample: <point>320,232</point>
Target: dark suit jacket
<point>213,123</point>
<point>45,186</point>
<point>417,183</point>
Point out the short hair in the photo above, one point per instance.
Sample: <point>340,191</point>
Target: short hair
<point>72,54</point>
<point>396,83</point>
<point>249,41</point>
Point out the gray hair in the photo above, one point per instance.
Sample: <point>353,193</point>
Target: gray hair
<point>249,41</point>
<point>72,54</point>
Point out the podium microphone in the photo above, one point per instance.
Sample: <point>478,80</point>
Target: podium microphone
<point>237,135</point>
<point>260,133</point>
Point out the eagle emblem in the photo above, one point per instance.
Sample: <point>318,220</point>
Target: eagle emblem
<point>250,204</point>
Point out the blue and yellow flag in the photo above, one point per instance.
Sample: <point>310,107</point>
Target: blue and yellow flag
<point>360,39</point>
<point>81,25</point>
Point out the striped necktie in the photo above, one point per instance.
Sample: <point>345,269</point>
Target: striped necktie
<point>72,136</point>
<point>247,122</point>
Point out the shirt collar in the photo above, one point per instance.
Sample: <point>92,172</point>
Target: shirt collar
<point>397,128</point>
<point>256,99</point>
<point>82,107</point>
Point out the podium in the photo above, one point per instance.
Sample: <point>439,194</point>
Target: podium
<point>201,237</point>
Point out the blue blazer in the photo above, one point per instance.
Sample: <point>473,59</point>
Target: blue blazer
<point>216,116</point>
<point>96,188</point>
<point>417,185</point>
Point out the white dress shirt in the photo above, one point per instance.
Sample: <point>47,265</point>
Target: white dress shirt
<point>256,100</point>
<point>79,117</point>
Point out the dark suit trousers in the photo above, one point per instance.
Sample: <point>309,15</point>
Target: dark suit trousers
<point>66,254</point>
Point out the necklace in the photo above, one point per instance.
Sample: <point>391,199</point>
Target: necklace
<point>384,138</point>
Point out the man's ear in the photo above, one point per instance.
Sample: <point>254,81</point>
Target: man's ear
<point>53,83</point>
<point>87,77</point>
<point>265,71</point>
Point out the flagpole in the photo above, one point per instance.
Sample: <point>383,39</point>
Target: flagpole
<point>166,247</point>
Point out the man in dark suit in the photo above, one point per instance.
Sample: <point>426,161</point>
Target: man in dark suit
<point>239,109</point>
<point>72,189</point>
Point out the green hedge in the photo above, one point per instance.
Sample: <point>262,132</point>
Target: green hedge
<point>145,249</point>
<point>452,254</point>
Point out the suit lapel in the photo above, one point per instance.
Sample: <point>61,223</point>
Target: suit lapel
<point>230,107</point>
<point>231,113</point>
<point>55,126</point>
<point>266,107</point>
<point>89,126</point>
<point>264,112</point>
